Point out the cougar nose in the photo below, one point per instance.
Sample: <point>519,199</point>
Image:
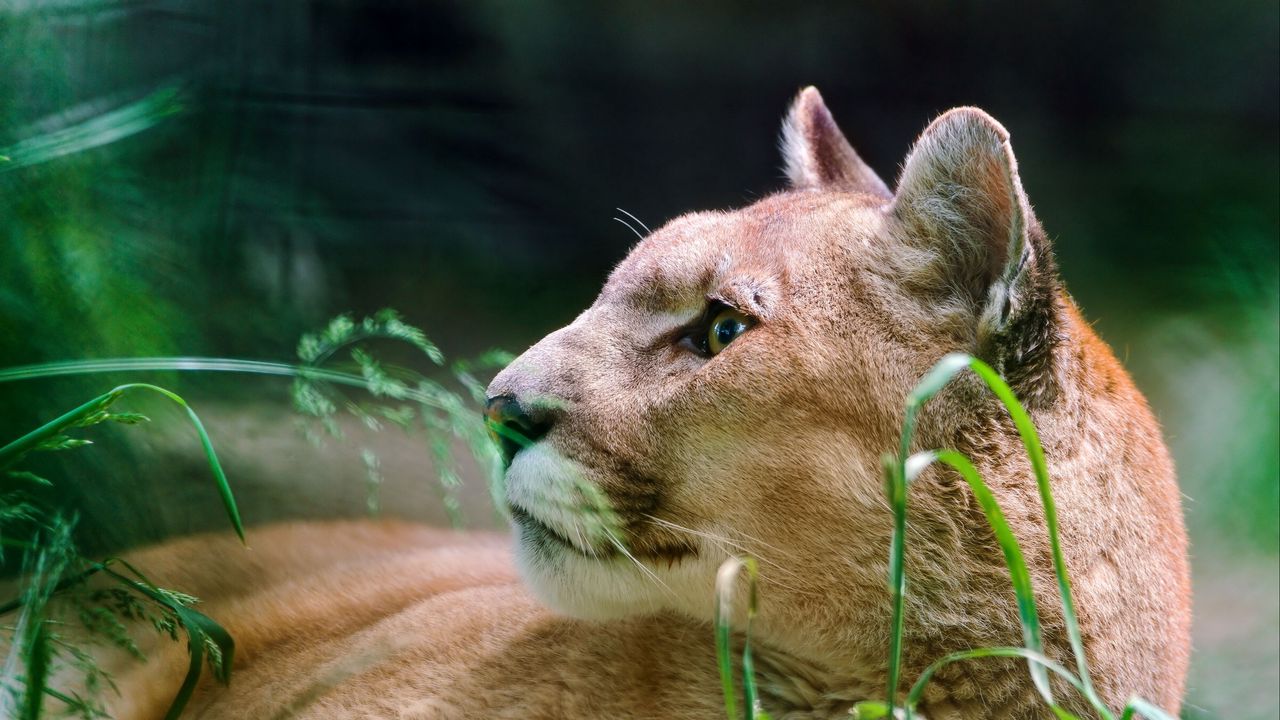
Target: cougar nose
<point>513,426</point>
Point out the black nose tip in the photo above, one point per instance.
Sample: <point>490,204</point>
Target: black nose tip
<point>513,425</point>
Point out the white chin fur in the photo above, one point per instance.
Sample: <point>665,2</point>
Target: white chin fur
<point>547,485</point>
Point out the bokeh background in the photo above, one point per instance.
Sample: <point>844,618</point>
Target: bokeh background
<point>216,177</point>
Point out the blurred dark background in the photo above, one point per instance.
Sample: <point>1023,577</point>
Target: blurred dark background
<point>216,177</point>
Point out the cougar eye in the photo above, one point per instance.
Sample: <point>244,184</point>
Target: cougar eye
<point>725,326</point>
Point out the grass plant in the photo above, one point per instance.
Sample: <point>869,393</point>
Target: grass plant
<point>54,569</point>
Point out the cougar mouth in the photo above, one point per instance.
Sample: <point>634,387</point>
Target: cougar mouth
<point>543,532</point>
<point>656,551</point>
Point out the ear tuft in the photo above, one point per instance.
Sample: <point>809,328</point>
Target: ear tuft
<point>818,156</point>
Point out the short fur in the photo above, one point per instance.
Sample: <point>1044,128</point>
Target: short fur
<point>660,463</point>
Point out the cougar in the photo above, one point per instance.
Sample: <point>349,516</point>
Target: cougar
<point>731,392</point>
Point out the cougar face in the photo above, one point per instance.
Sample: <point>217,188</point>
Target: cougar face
<point>714,381</point>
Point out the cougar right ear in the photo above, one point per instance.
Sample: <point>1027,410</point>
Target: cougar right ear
<point>960,196</point>
<point>960,200</point>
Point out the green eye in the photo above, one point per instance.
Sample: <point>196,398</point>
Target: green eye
<point>727,325</point>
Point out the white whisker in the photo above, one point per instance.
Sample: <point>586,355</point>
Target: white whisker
<point>624,222</point>
<point>617,543</point>
<point>723,542</point>
<point>760,542</point>
<point>638,220</point>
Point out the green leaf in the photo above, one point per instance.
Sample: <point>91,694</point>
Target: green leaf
<point>14,451</point>
<point>211,456</point>
<point>195,646</point>
<point>1031,441</point>
<point>917,690</point>
<point>870,710</point>
<point>62,442</point>
<point>37,655</point>
<point>12,508</point>
<point>220,647</point>
<point>205,637</point>
<point>937,378</point>
<point>29,477</point>
<point>50,433</point>
<point>1148,710</point>
<point>97,131</point>
<point>896,477</point>
<point>726,580</point>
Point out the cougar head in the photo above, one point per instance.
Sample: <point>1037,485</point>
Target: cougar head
<point>734,385</point>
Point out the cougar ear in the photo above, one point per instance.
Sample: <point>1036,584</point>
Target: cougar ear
<point>960,200</point>
<point>816,154</point>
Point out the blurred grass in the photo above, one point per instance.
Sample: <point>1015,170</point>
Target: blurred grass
<point>1219,378</point>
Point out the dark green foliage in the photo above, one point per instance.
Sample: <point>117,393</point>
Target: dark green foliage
<point>54,568</point>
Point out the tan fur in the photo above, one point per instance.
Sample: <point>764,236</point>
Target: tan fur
<point>770,448</point>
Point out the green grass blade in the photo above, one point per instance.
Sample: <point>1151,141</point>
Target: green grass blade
<point>198,364</point>
<point>43,568</point>
<point>917,690</point>
<point>933,382</point>
<point>937,378</point>
<point>751,698</point>
<point>896,489</point>
<point>1149,711</point>
<point>74,705</point>
<point>14,451</point>
<point>224,487</point>
<point>179,363</point>
<point>1013,558</point>
<point>38,655</point>
<point>199,628</point>
<point>1031,440</point>
<point>220,477</point>
<point>726,579</point>
<point>97,131</point>
<point>724,652</point>
<point>61,585</point>
<point>896,486</point>
<point>196,647</point>
<point>220,638</point>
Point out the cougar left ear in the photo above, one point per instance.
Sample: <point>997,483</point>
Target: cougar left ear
<point>817,155</point>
